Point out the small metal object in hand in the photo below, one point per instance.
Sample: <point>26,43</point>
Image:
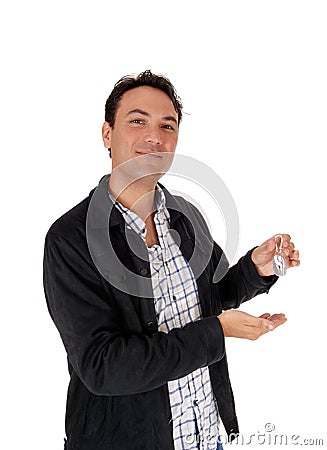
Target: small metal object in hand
<point>279,263</point>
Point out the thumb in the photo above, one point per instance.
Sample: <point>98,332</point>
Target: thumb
<point>270,245</point>
<point>266,247</point>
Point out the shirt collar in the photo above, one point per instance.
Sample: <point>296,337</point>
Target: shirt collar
<point>159,198</point>
<point>133,220</point>
<point>173,205</point>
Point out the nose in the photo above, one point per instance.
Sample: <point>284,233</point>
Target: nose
<point>153,136</point>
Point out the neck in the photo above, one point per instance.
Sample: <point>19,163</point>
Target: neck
<point>137,195</point>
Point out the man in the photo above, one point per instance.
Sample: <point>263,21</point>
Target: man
<point>142,320</point>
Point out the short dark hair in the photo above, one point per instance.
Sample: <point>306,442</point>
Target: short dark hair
<point>146,78</point>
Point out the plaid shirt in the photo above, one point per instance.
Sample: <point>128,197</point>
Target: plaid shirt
<point>193,405</point>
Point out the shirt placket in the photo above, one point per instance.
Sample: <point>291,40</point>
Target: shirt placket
<point>170,300</point>
<point>161,223</point>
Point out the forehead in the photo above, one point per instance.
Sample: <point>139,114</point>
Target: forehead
<point>149,99</point>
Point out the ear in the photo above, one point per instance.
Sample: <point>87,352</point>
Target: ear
<point>106,134</point>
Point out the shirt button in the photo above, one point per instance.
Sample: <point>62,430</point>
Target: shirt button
<point>195,402</point>
<point>144,271</point>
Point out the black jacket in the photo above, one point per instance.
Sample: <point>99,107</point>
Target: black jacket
<point>118,361</point>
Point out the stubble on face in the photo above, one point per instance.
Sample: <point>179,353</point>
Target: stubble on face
<point>142,141</point>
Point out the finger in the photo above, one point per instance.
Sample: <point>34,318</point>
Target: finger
<point>294,263</point>
<point>290,253</point>
<point>259,324</point>
<point>278,319</point>
<point>286,238</point>
<point>295,255</point>
<point>266,325</point>
<point>292,259</point>
<point>286,255</point>
<point>278,322</point>
<point>277,316</point>
<point>264,316</point>
<point>289,245</point>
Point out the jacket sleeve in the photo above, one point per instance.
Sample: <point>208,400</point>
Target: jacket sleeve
<point>108,360</point>
<point>242,282</point>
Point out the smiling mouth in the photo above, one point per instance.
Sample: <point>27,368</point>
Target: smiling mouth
<point>154,154</point>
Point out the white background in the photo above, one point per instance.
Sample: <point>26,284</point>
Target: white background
<point>252,77</point>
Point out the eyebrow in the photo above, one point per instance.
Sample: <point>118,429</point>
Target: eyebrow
<point>146,114</point>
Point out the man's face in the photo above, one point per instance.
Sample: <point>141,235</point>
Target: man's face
<point>145,132</point>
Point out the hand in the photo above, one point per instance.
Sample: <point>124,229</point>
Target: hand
<point>262,256</point>
<point>242,325</point>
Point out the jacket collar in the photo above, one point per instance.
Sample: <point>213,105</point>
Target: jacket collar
<point>116,217</point>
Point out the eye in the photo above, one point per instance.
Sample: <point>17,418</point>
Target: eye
<point>168,127</point>
<point>137,121</point>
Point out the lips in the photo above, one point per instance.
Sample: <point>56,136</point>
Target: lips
<point>145,152</point>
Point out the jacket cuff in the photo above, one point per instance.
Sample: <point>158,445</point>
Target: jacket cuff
<point>215,339</point>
